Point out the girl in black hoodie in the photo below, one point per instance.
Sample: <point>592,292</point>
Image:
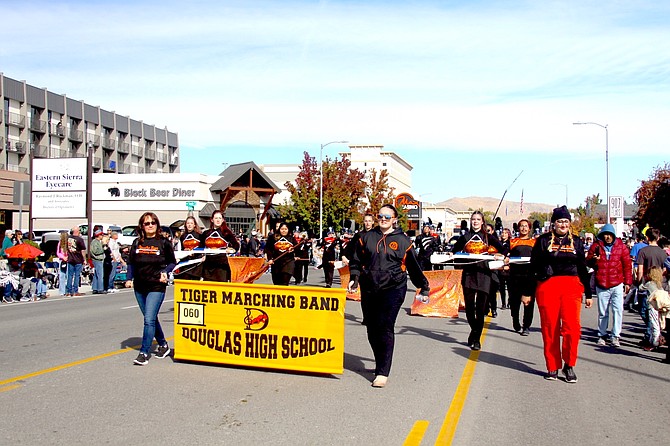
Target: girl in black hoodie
<point>381,262</point>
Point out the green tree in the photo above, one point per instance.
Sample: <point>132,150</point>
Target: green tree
<point>653,200</point>
<point>377,192</point>
<point>343,187</point>
<point>303,207</point>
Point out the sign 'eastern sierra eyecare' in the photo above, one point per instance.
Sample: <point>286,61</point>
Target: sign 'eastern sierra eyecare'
<point>59,188</point>
<point>290,328</point>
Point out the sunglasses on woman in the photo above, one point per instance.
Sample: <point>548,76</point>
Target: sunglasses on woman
<point>149,223</point>
<point>384,217</point>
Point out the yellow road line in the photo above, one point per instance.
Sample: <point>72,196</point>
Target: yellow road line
<point>448,430</point>
<point>12,387</point>
<point>68,365</point>
<point>416,434</point>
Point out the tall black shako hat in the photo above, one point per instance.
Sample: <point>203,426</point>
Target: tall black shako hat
<point>561,212</point>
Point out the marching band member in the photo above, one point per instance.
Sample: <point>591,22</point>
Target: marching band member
<point>188,241</point>
<point>279,253</point>
<point>521,280</point>
<point>151,259</point>
<point>215,268</point>
<point>328,245</point>
<point>560,266</point>
<point>381,261</point>
<point>427,244</point>
<point>476,277</point>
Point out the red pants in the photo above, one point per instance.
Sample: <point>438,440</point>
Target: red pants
<point>559,300</point>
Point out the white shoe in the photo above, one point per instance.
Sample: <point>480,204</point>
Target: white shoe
<point>380,381</point>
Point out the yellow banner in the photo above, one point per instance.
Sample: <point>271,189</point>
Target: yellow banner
<point>290,328</point>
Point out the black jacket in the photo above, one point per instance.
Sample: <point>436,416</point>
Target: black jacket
<point>383,261</point>
<point>564,257</point>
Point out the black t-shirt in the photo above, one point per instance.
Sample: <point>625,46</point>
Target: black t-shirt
<point>651,256</point>
<point>148,259</point>
<point>75,246</point>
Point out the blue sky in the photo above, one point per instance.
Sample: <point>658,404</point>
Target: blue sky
<point>470,93</point>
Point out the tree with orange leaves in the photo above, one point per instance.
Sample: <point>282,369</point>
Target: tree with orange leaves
<point>653,200</point>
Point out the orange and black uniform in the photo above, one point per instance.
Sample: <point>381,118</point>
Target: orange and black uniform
<point>329,244</point>
<point>476,278</point>
<point>280,248</point>
<point>188,241</point>
<point>381,263</point>
<point>215,267</point>
<point>560,267</point>
<point>521,282</point>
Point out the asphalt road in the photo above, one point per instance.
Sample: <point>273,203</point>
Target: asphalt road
<point>66,377</point>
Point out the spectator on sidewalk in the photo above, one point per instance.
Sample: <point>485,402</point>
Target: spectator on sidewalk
<point>648,257</point>
<point>117,260</point>
<point>7,242</point>
<point>97,253</point>
<point>61,253</point>
<point>75,261</point>
<point>610,259</point>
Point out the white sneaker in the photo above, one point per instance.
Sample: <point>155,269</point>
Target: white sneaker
<point>615,342</point>
<point>380,381</point>
<point>601,342</point>
<point>24,299</point>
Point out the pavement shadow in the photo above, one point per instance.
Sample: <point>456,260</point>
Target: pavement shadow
<point>356,364</point>
<point>501,361</point>
<point>132,343</point>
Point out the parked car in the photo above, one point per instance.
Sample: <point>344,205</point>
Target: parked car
<point>129,233</point>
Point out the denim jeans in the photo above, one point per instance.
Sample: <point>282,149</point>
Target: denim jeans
<point>150,304</point>
<point>73,276</point>
<point>62,281</point>
<point>98,283</point>
<point>610,298</point>
<point>644,313</point>
<point>112,276</point>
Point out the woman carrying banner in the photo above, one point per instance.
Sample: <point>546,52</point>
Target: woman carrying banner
<point>559,264</point>
<point>215,268</point>
<point>150,260</point>
<point>381,261</point>
<point>279,253</point>
<point>476,277</point>
<point>188,241</point>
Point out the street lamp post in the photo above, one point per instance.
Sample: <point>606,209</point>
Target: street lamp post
<point>89,192</point>
<point>607,163</point>
<point>321,184</point>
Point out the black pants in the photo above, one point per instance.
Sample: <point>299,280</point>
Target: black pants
<point>521,286</point>
<point>425,263</point>
<point>328,271</point>
<point>280,277</point>
<point>504,281</point>
<point>216,272</point>
<point>380,311</point>
<point>475,311</point>
<point>492,303</point>
<point>301,269</point>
